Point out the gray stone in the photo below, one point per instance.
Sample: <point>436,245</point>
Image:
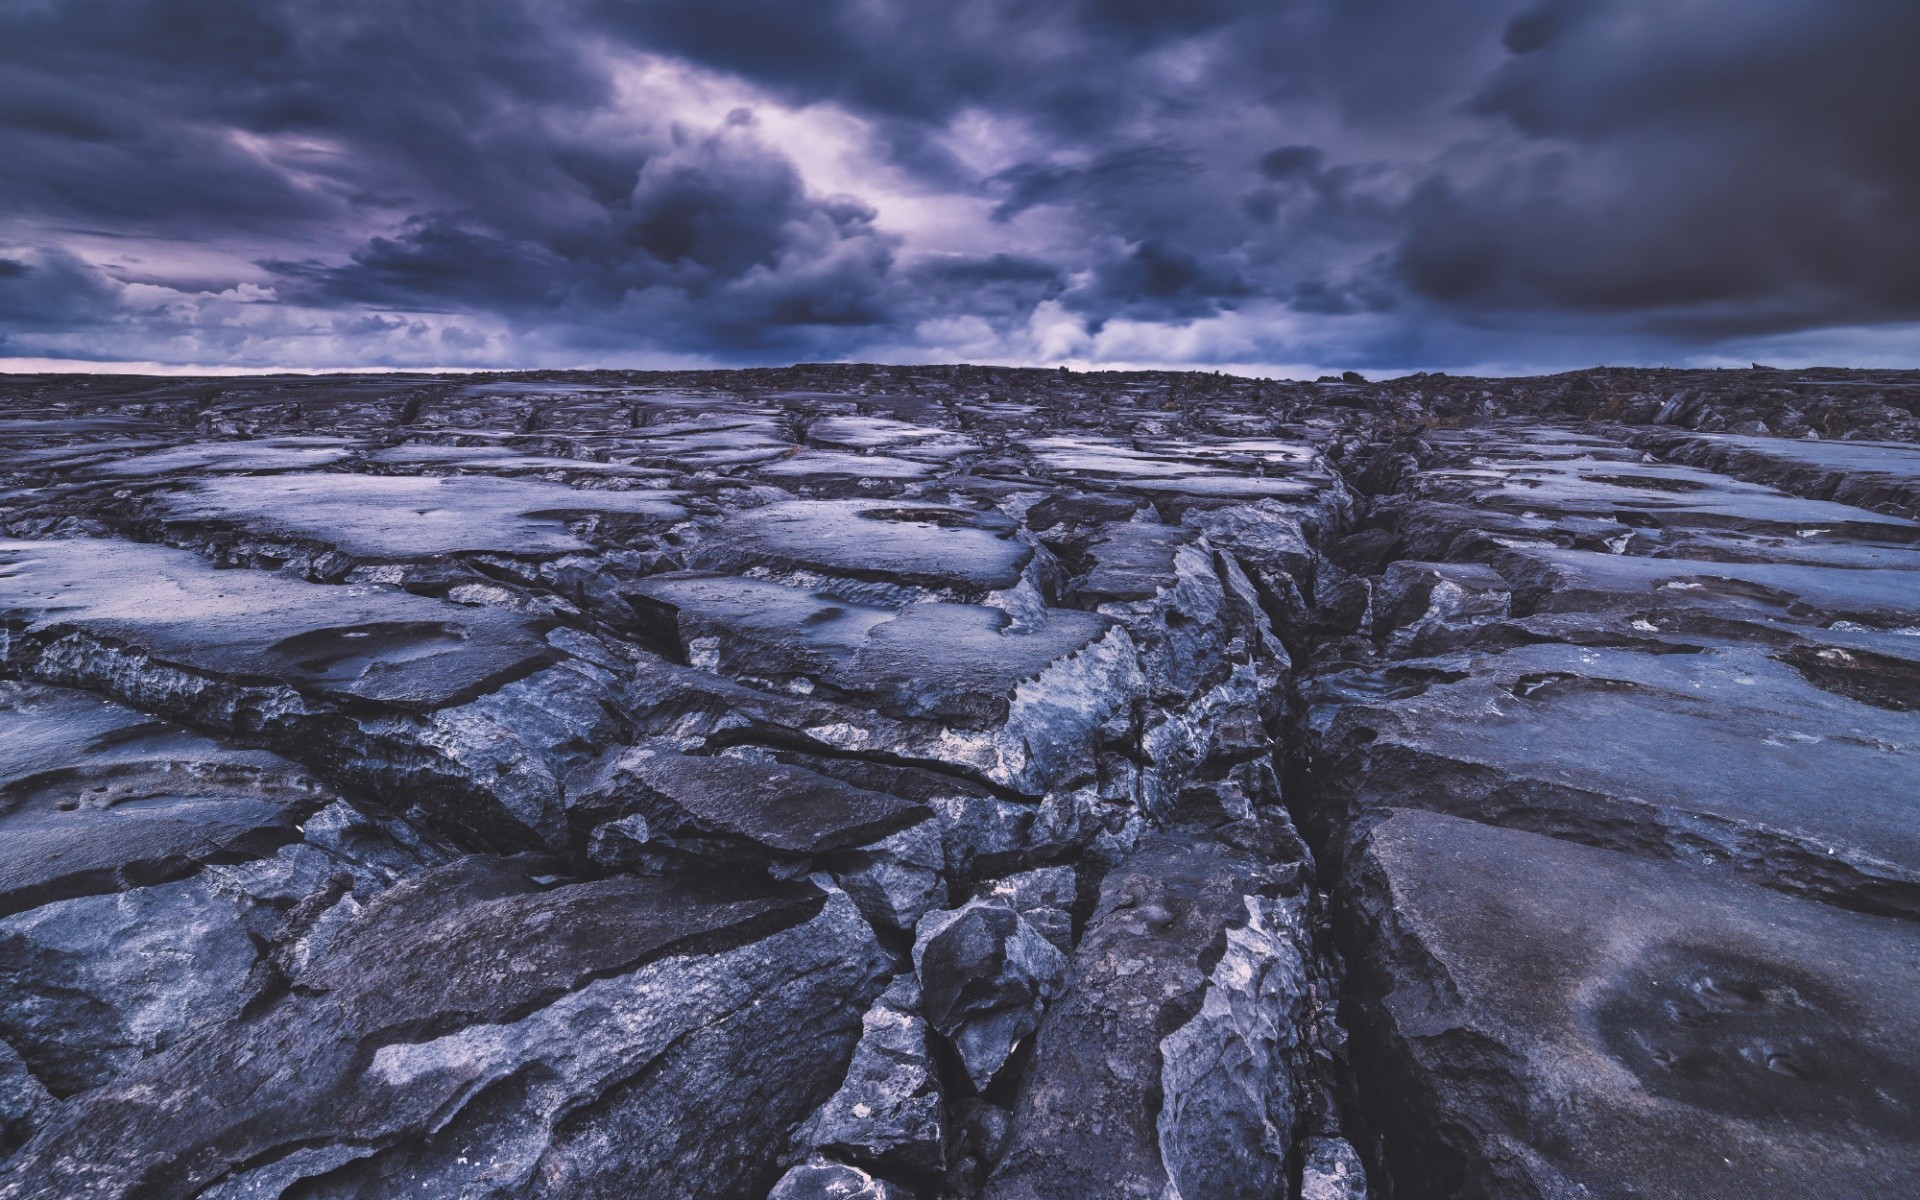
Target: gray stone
<point>890,1109</point>
<point>1159,1072</point>
<point>1723,755</point>
<point>466,712</point>
<point>986,975</point>
<point>900,878</point>
<point>474,1029</point>
<point>153,880</point>
<point>1332,1171</point>
<point>967,552</point>
<point>720,807</point>
<point>95,797</point>
<point>821,1179</point>
<point>397,517</point>
<point>1547,1019</point>
<point>1569,686</point>
<point>359,644</point>
<point>1426,608</point>
<point>25,1103</point>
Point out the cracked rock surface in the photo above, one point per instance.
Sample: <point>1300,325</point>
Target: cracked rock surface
<point>944,783</point>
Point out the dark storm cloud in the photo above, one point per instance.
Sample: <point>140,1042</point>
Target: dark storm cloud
<point>49,289</point>
<point>715,241</point>
<point>1757,168</point>
<point>152,94</point>
<point>1398,181</point>
<point>1063,63</point>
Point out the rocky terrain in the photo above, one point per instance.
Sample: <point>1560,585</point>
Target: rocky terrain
<point>953,782</point>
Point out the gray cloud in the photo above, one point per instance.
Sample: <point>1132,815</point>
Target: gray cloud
<point>1401,182</point>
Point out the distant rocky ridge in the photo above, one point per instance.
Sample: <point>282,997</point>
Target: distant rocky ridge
<point>953,782</point>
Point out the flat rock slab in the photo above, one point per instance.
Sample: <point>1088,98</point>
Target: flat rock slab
<point>1725,756</point>
<point>350,643</point>
<point>463,713</point>
<point>474,1032</point>
<point>243,457</point>
<point>1557,580</point>
<point>963,663</point>
<point>960,663</point>
<point>811,464</point>
<point>689,801</point>
<point>921,545</point>
<point>1604,482</point>
<point>1545,1019</point>
<point>1179,474</point>
<point>904,439</point>
<point>1884,476</point>
<point>1130,561</point>
<point>502,460</point>
<point>753,628</point>
<point>412,517</point>
<point>1894,460</point>
<point>151,878</point>
<point>95,798</point>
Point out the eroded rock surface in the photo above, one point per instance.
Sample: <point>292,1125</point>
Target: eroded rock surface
<point>951,782</point>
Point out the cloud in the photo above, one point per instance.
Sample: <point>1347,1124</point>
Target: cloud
<point>1717,168</point>
<point>717,245</point>
<point>558,182</point>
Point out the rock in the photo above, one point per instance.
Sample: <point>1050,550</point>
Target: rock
<point>752,629</point>
<point>1129,561</point>
<point>1038,697</point>
<point>890,1110</point>
<point>1343,602</point>
<point>1648,752</point>
<point>468,712</point>
<point>90,986</point>
<point>1160,1071</point>
<point>1234,1077</point>
<point>1599,729</point>
<point>980,1132</point>
<point>1044,897</point>
<point>399,517</point>
<point>900,878</point>
<point>100,798</point>
<point>964,665</point>
<point>1332,1171</point>
<point>1163,589</point>
<point>1660,590</point>
<point>716,807</point>
<point>24,1102</point>
<point>1068,519</point>
<point>1879,475</point>
<point>155,881</point>
<point>966,553</point>
<point>1177,475</point>
<point>1547,1019</point>
<point>1428,608</point>
<point>986,975</point>
<point>264,456</point>
<point>368,644</point>
<point>821,1179</point>
<point>587,1035</point>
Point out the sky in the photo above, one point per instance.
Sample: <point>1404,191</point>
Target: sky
<point>1278,187</point>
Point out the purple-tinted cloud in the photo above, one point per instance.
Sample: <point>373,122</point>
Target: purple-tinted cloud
<point>1398,183</point>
